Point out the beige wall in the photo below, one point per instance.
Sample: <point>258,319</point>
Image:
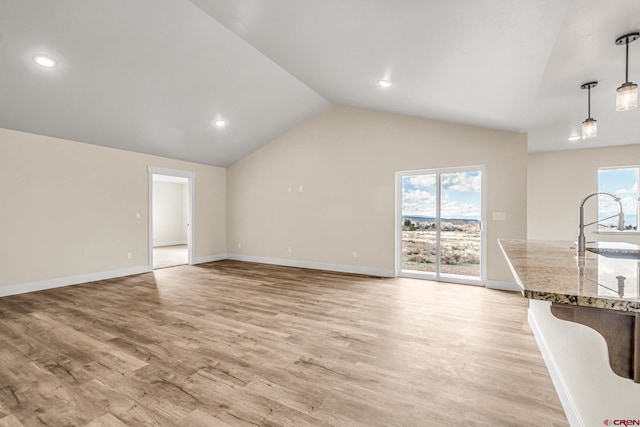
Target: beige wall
<point>345,159</point>
<point>558,181</point>
<point>68,208</point>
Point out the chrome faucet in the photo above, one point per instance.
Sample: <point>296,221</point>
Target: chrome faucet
<point>582,243</point>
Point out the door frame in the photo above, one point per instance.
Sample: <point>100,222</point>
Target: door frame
<point>481,281</point>
<point>191,182</point>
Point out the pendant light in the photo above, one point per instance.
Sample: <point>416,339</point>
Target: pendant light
<point>590,125</point>
<point>627,94</point>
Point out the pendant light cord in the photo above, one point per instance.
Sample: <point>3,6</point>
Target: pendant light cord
<point>626,69</point>
<point>589,101</point>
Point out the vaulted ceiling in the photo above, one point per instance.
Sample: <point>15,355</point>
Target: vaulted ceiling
<point>153,75</point>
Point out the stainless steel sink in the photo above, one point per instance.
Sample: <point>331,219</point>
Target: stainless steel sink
<point>616,253</point>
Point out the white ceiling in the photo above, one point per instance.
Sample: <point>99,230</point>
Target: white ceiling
<point>152,75</point>
<point>144,75</point>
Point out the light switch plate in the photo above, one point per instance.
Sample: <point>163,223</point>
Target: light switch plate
<point>499,216</point>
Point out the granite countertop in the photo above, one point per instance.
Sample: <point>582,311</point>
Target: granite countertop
<point>552,271</point>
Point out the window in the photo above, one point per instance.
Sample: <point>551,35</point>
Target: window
<point>622,182</point>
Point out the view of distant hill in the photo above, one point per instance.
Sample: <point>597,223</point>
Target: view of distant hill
<point>419,219</point>
<point>629,219</point>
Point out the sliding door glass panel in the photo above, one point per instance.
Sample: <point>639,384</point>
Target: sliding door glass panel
<point>460,215</point>
<point>419,207</point>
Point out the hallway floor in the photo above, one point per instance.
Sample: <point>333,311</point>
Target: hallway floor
<point>170,256</point>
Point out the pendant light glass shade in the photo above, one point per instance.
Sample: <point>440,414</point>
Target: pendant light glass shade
<point>627,97</point>
<point>589,128</point>
<point>627,93</point>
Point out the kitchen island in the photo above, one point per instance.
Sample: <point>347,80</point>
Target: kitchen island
<point>575,302</point>
<point>599,290</point>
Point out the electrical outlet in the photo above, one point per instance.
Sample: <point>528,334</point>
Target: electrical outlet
<point>300,189</point>
<point>239,245</point>
<point>355,254</point>
<point>129,255</point>
<point>137,215</point>
<point>289,249</point>
<point>289,189</point>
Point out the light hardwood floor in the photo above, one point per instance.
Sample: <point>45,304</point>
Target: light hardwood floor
<point>240,344</point>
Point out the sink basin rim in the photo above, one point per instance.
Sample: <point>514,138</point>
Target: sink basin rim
<point>616,253</point>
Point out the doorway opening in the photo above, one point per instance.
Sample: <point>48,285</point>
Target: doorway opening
<point>439,230</point>
<point>170,217</point>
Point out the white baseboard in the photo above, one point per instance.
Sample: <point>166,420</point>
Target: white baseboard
<point>209,258</point>
<point>315,265</point>
<point>569,407</point>
<point>502,286</point>
<point>177,242</point>
<point>41,285</point>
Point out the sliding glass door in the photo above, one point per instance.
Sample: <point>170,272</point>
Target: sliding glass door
<point>439,234</point>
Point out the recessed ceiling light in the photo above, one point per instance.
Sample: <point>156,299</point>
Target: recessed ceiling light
<point>574,138</point>
<point>220,123</point>
<point>45,61</point>
<point>384,83</point>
